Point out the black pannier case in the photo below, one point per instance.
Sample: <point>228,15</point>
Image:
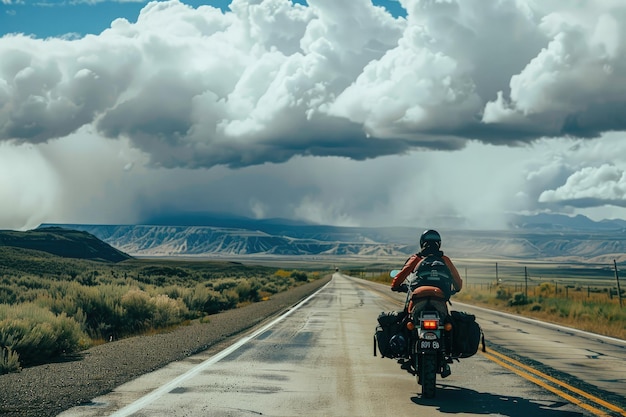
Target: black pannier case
<point>389,325</point>
<point>466,334</point>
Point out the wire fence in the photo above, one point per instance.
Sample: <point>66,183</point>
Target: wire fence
<point>577,281</point>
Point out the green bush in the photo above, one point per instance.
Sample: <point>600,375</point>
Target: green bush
<point>503,293</point>
<point>102,307</point>
<point>518,299</point>
<point>58,302</point>
<point>208,301</point>
<point>38,335</point>
<point>195,298</point>
<point>8,295</point>
<point>225,284</point>
<point>277,284</point>
<point>168,311</point>
<point>138,308</point>
<point>270,287</point>
<point>9,360</point>
<point>299,276</point>
<point>248,290</point>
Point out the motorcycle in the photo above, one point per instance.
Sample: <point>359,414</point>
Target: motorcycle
<point>426,337</point>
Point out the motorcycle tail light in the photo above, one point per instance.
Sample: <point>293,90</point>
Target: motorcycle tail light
<point>430,324</point>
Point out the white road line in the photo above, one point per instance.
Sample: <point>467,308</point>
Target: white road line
<point>147,399</point>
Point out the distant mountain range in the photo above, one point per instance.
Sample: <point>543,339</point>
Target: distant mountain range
<point>529,237</point>
<point>548,222</point>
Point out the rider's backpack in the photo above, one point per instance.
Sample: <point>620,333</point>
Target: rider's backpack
<point>466,334</point>
<point>389,337</point>
<point>432,270</point>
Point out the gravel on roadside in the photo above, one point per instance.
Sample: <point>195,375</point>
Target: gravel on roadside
<point>49,389</point>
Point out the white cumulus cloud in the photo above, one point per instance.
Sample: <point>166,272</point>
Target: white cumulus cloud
<point>328,111</point>
<point>591,186</point>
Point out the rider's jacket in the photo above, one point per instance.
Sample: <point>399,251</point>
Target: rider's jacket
<point>411,265</point>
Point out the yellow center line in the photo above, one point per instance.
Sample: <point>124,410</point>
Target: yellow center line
<point>493,355</point>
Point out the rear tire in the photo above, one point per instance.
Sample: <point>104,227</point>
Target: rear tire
<point>428,375</point>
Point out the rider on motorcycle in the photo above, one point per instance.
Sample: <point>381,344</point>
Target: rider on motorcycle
<point>430,244</point>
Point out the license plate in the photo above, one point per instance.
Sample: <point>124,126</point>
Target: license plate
<point>429,345</point>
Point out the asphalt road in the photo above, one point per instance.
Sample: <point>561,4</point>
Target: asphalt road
<point>318,361</point>
<point>582,358</point>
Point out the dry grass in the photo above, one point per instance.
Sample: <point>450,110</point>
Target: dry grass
<point>593,312</point>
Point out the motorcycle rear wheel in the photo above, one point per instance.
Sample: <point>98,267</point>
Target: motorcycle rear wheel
<point>427,375</point>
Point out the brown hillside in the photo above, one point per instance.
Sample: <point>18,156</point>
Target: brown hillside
<point>63,242</point>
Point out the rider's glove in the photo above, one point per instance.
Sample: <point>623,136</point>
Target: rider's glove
<point>401,288</point>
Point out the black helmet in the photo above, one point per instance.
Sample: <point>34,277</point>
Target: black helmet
<point>430,237</point>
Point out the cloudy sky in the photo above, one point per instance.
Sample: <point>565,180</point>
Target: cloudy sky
<point>428,113</point>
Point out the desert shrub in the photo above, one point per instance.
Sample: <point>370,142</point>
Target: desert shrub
<point>270,288</point>
<point>165,271</point>
<point>9,360</point>
<point>248,290</point>
<point>88,278</point>
<point>138,308</point>
<point>518,299</point>
<point>8,295</point>
<point>208,301</point>
<point>564,309</point>
<point>224,284</point>
<point>172,291</point>
<point>151,279</point>
<point>103,309</point>
<point>299,276</point>
<point>30,282</point>
<point>604,312</point>
<point>104,301</point>
<point>222,301</point>
<point>195,298</point>
<point>280,283</point>
<point>229,300</point>
<point>503,293</point>
<point>168,311</point>
<point>546,288</point>
<point>37,335</point>
<point>282,273</point>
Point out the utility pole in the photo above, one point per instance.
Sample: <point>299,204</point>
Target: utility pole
<point>619,291</point>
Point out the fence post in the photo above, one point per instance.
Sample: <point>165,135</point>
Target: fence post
<point>526,283</point>
<point>619,291</point>
<point>497,278</point>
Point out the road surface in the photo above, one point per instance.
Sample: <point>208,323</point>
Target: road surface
<point>317,360</point>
